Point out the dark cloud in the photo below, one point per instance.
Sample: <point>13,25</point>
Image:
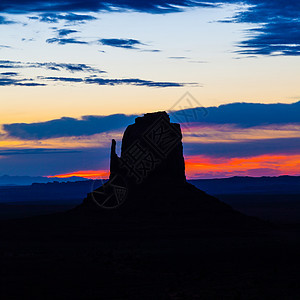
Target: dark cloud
<point>121,43</point>
<point>277,21</point>
<point>241,114</point>
<point>9,73</point>
<point>9,80</point>
<point>277,29</point>
<point>69,67</point>
<point>282,38</point>
<point>57,6</point>
<point>28,40</point>
<point>150,50</point>
<point>17,82</point>
<point>113,82</point>
<point>5,47</point>
<point>5,21</point>
<point>126,44</point>
<point>177,57</point>
<point>198,61</point>
<point>244,149</point>
<point>70,17</point>
<point>9,152</point>
<point>65,41</point>
<point>62,79</point>
<point>87,125</point>
<point>225,114</point>
<point>64,32</point>
<point>8,64</point>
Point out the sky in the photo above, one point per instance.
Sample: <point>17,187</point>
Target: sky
<point>74,74</point>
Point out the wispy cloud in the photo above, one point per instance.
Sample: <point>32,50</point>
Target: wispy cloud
<point>280,38</point>
<point>9,152</point>
<point>65,32</point>
<point>178,57</point>
<point>121,43</point>
<point>5,21</point>
<point>9,73</point>
<point>8,64</point>
<point>65,41</point>
<point>19,82</point>
<point>13,79</point>
<point>57,6</point>
<point>5,47</point>
<point>277,29</point>
<point>73,68</point>
<point>150,50</point>
<point>69,17</point>
<point>114,82</point>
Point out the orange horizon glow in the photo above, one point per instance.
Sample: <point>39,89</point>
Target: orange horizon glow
<point>201,166</point>
<point>261,165</point>
<point>89,174</point>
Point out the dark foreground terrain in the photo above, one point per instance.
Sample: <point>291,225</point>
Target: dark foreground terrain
<point>276,199</point>
<point>79,256</point>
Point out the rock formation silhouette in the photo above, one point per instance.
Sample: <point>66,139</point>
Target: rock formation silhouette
<point>148,180</point>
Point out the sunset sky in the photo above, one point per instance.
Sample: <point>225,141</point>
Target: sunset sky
<point>75,73</point>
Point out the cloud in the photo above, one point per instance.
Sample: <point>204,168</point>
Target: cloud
<point>126,44</point>
<point>5,21</point>
<point>9,152</point>
<point>225,114</point>
<point>57,6</point>
<point>114,82</point>
<point>70,18</point>
<point>150,50</point>
<point>28,40</point>
<point>5,47</point>
<point>65,41</point>
<point>198,61</point>
<point>242,114</point>
<point>62,79</point>
<point>277,29</point>
<point>9,80</point>
<point>65,127</point>
<point>8,64</point>
<point>121,43</point>
<point>177,57</point>
<point>73,68</point>
<point>282,38</point>
<point>69,67</point>
<point>9,74</point>
<point>64,32</point>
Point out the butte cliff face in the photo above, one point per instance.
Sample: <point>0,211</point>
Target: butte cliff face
<point>148,180</point>
<point>151,151</point>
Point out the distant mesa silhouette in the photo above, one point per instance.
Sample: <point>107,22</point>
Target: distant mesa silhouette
<point>148,180</point>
